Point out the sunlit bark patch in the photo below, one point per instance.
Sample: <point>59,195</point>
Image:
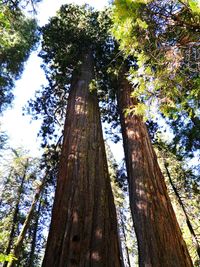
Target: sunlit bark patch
<point>99,233</point>
<point>75,217</point>
<point>95,256</point>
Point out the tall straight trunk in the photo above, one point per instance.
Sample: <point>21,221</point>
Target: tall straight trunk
<point>124,237</point>
<point>15,216</point>
<point>34,235</point>
<point>5,182</point>
<point>160,241</point>
<point>18,245</point>
<point>83,230</point>
<point>187,219</point>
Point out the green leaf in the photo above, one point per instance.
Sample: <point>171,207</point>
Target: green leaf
<point>7,258</point>
<point>195,6</point>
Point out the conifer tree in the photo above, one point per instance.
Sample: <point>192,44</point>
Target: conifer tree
<point>160,39</point>
<point>160,242</point>
<point>163,37</point>
<point>19,177</point>
<point>83,230</point>
<point>18,38</point>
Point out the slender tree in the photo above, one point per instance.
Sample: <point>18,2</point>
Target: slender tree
<point>18,244</point>
<point>125,222</point>
<point>122,223</point>
<point>18,177</point>
<point>34,234</point>
<point>188,221</point>
<point>16,212</point>
<point>160,241</point>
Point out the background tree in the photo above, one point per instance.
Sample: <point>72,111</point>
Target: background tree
<point>182,182</point>
<point>19,180</point>
<point>26,225</point>
<point>125,223</point>
<point>21,4</point>
<point>18,37</point>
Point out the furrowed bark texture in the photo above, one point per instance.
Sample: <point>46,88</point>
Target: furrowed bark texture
<point>83,229</point>
<point>160,241</point>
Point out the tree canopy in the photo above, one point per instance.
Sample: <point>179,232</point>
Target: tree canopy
<point>164,38</point>
<point>18,37</point>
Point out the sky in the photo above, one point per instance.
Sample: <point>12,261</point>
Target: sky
<point>21,130</point>
<point>48,7</point>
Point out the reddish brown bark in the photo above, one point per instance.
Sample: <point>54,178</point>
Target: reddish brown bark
<point>160,241</point>
<point>83,229</point>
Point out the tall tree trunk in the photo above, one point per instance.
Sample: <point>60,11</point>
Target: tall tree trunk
<point>15,215</point>
<point>125,239</point>
<point>26,224</point>
<point>6,181</point>
<point>34,235</point>
<point>160,241</point>
<point>83,229</point>
<point>187,219</point>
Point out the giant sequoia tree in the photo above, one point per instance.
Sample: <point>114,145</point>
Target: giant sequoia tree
<point>160,241</point>
<point>83,230</point>
<point>83,227</point>
<point>161,38</point>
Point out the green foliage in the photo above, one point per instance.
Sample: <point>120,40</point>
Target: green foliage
<point>20,4</point>
<point>163,37</point>
<point>66,38</point>
<point>20,175</point>
<point>186,134</point>
<point>92,86</point>
<point>139,109</point>
<point>18,35</point>
<point>7,258</point>
<point>195,6</point>
<point>73,31</point>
